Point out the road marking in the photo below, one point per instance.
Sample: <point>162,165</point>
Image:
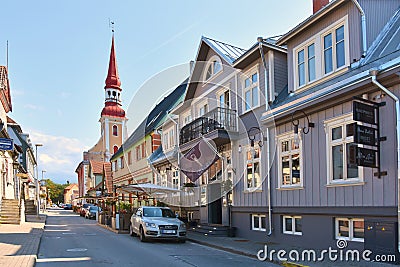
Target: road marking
<point>69,233</point>
<point>63,259</point>
<point>89,234</point>
<point>76,249</point>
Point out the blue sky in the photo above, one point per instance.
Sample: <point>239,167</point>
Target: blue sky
<point>59,50</point>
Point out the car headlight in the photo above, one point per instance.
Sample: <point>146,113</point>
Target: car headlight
<point>152,225</point>
<point>182,226</point>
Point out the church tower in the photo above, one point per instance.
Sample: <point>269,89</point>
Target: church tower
<point>113,120</point>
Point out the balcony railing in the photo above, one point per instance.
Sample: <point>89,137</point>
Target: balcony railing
<point>216,119</point>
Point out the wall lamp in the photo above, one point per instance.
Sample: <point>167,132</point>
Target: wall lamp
<point>252,133</point>
<point>305,129</point>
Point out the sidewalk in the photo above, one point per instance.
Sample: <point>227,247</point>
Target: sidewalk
<point>250,248</point>
<point>19,244</point>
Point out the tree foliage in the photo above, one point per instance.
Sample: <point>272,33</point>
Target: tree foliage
<point>55,191</point>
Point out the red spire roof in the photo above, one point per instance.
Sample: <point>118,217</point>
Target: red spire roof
<point>113,109</point>
<point>112,80</point>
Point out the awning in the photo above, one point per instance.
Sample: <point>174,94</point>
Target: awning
<point>148,188</point>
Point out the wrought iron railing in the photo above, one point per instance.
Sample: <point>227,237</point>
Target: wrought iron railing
<point>216,119</point>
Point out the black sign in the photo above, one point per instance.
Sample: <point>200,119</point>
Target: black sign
<point>364,135</point>
<point>366,157</point>
<point>364,112</point>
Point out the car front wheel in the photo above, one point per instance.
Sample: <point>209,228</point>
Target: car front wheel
<point>142,237</point>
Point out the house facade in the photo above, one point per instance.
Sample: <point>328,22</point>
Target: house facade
<point>322,188</point>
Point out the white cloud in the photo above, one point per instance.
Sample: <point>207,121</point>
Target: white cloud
<point>59,155</point>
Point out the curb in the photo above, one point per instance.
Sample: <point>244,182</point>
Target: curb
<point>40,240</point>
<point>231,250</point>
<point>113,230</point>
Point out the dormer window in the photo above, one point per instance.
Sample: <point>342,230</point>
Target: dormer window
<point>321,55</point>
<point>213,67</point>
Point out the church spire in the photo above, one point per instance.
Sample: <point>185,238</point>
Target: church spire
<point>112,80</point>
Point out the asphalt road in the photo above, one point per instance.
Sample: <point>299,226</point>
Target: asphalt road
<point>71,240</point>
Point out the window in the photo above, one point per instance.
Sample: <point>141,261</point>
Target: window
<point>224,100</point>
<point>115,148</point>
<point>138,153</point>
<point>251,92</point>
<point>203,110</point>
<point>143,150</point>
<point>350,229</point>
<point>306,65</point>
<point>334,49</point>
<point>129,157</point>
<point>213,68</point>
<point>122,164</point>
<point>115,130</point>
<point>165,143</point>
<point>290,162</point>
<point>258,222</point>
<point>253,168</point>
<point>171,138</point>
<point>187,119</point>
<point>340,136</point>
<point>292,225</point>
<point>175,179</point>
<point>322,54</point>
<point>190,216</point>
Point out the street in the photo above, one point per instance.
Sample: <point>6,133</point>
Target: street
<point>71,240</point>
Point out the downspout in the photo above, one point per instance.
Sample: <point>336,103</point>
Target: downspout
<point>363,28</point>
<point>178,158</point>
<point>267,95</point>
<point>373,74</point>
<point>266,138</point>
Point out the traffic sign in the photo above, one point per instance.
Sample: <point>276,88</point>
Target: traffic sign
<point>6,144</point>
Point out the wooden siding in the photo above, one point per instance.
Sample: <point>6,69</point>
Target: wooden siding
<point>375,191</point>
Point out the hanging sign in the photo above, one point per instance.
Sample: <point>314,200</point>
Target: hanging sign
<point>366,157</point>
<point>364,113</point>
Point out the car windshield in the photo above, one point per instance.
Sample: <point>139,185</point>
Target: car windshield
<point>158,212</point>
<point>93,208</point>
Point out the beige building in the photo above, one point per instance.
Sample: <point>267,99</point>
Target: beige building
<point>71,194</point>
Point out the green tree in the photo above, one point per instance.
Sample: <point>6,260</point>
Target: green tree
<point>56,191</point>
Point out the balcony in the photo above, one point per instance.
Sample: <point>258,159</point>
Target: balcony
<point>218,124</point>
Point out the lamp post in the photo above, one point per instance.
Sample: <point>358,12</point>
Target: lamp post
<point>37,180</point>
<point>42,183</point>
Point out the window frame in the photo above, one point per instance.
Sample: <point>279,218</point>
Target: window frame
<point>115,130</point>
<point>318,40</point>
<point>293,230</point>
<point>279,140</point>
<point>259,218</point>
<point>247,161</point>
<point>306,64</point>
<point>249,75</point>
<point>340,121</point>
<point>210,63</point>
<point>351,229</point>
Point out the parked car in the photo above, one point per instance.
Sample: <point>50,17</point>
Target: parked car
<point>157,223</point>
<point>61,205</point>
<point>91,212</point>
<point>68,207</point>
<point>84,208</point>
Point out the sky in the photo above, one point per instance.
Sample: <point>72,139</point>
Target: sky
<point>58,53</point>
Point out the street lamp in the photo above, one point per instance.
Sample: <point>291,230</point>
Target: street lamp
<point>37,181</point>
<point>42,183</point>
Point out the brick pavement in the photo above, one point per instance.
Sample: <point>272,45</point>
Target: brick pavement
<point>19,244</point>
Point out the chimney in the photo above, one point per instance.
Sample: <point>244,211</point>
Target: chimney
<point>318,4</point>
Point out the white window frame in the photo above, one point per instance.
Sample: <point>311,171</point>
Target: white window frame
<point>279,140</point>
<point>249,75</point>
<point>330,124</point>
<point>175,179</point>
<point>306,64</point>
<point>293,230</point>
<point>351,229</point>
<point>213,73</point>
<point>258,217</point>
<point>252,161</point>
<point>222,93</point>
<point>201,105</point>
<point>332,31</point>
<point>318,40</point>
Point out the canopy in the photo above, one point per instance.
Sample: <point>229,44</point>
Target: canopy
<point>148,188</point>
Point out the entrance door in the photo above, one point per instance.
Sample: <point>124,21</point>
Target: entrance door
<point>214,203</point>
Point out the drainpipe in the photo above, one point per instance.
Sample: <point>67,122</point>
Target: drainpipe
<point>266,138</point>
<point>363,28</point>
<point>178,157</point>
<point>373,74</point>
<point>267,95</point>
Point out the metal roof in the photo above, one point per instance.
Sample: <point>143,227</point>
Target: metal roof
<point>230,52</point>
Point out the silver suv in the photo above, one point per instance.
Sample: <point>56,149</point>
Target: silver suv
<point>157,223</point>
